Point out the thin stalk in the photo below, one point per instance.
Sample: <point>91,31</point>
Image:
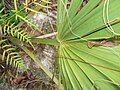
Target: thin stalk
<point>15,4</point>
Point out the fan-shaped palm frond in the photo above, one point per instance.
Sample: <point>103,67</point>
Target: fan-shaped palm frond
<point>82,68</point>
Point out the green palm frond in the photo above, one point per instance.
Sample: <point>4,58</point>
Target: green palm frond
<point>82,68</point>
<point>15,31</point>
<point>90,68</point>
<point>95,16</point>
<point>10,56</point>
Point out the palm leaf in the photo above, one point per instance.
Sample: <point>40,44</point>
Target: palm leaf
<point>95,19</point>
<point>82,68</point>
<point>90,68</point>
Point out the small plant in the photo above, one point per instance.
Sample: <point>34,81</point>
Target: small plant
<point>13,37</point>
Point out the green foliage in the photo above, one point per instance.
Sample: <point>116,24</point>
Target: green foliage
<point>10,56</point>
<point>13,37</point>
<point>12,14</point>
<point>10,28</point>
<point>16,32</point>
<point>82,68</point>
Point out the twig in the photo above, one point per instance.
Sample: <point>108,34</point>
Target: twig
<point>48,35</point>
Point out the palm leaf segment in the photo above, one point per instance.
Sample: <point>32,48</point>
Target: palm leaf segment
<point>83,68</point>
